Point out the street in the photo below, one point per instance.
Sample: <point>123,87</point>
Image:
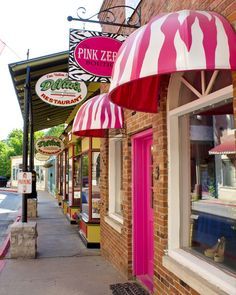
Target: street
<point>9,206</point>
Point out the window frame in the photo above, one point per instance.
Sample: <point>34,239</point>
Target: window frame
<point>178,171</point>
<point>112,178</point>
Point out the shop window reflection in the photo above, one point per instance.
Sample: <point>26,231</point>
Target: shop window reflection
<point>213,186</point>
<point>85,185</point>
<point>95,185</point>
<point>77,180</point>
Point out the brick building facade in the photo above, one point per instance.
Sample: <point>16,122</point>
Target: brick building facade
<point>117,237</point>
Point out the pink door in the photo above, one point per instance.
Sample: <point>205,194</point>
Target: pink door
<point>143,236</point>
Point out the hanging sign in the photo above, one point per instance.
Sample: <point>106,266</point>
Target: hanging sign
<point>49,145</point>
<point>41,157</point>
<point>24,183</point>
<point>58,90</point>
<point>92,55</point>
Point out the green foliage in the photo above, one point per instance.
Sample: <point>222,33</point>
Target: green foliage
<point>15,141</point>
<point>13,146</point>
<point>4,165</point>
<point>55,131</point>
<point>212,188</point>
<point>38,134</point>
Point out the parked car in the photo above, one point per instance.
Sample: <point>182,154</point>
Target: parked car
<point>3,181</point>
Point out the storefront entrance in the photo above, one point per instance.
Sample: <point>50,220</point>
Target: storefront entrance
<point>143,238</point>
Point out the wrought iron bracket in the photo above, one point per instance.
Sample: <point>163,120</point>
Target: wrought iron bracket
<point>111,17</point>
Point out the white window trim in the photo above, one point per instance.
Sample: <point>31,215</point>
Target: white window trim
<point>201,268</point>
<point>112,180</point>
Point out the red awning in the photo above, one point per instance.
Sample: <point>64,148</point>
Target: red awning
<point>178,41</point>
<point>228,146</point>
<point>96,116</point>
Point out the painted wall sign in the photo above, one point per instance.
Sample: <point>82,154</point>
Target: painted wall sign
<point>58,90</point>
<point>92,55</point>
<point>49,145</point>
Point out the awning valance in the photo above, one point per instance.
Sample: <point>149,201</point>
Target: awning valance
<point>96,116</point>
<point>228,146</point>
<point>178,41</point>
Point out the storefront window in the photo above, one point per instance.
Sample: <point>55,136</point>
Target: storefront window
<point>70,176</point>
<point>61,173</point>
<point>85,185</point>
<point>77,179</point>
<point>15,171</point>
<point>115,178</point>
<point>201,192</point>
<point>67,174</point>
<point>229,171</point>
<point>212,184</point>
<point>95,184</point>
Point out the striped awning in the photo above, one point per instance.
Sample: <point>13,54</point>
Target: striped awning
<point>227,147</point>
<point>177,41</point>
<point>96,116</point>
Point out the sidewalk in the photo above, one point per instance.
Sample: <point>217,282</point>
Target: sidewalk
<point>64,265</point>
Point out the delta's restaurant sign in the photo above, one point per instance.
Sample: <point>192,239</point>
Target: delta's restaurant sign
<point>92,55</point>
<point>56,89</point>
<point>49,145</point>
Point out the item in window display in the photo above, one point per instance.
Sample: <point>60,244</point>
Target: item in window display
<point>217,251</point>
<point>219,255</point>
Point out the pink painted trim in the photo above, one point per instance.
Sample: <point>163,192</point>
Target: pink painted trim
<point>139,183</point>
<point>11,190</point>
<point>2,264</point>
<point>6,244</point>
<point>4,248</point>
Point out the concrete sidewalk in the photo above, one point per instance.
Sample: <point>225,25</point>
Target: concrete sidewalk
<point>64,266</point>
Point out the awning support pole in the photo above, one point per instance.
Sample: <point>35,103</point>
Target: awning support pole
<point>25,138</point>
<point>31,164</point>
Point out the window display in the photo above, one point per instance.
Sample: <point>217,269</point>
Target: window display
<point>61,174</point>
<point>66,171</point>
<point>213,185</point>
<point>77,179</point>
<point>85,185</point>
<point>90,180</point>
<point>95,184</point>
<point>70,176</point>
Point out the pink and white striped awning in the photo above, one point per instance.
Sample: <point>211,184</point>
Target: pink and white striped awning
<point>227,147</point>
<point>178,41</point>
<point>96,116</point>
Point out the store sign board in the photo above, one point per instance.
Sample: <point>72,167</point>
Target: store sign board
<point>49,145</point>
<point>41,157</point>
<point>24,182</point>
<point>92,55</point>
<point>56,89</point>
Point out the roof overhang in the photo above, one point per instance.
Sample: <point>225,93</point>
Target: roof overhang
<point>45,115</point>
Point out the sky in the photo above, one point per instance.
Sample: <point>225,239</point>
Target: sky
<point>42,27</point>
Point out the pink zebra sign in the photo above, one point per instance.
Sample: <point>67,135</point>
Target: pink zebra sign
<point>92,55</point>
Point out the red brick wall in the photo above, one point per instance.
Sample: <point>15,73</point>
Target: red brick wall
<point>117,248</point>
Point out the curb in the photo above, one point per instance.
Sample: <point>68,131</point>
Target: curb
<point>4,248</point>
<point>8,190</point>
<point>6,245</point>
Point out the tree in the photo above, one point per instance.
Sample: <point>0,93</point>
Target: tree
<point>4,166</point>
<point>55,131</point>
<point>13,146</point>
<point>15,141</point>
